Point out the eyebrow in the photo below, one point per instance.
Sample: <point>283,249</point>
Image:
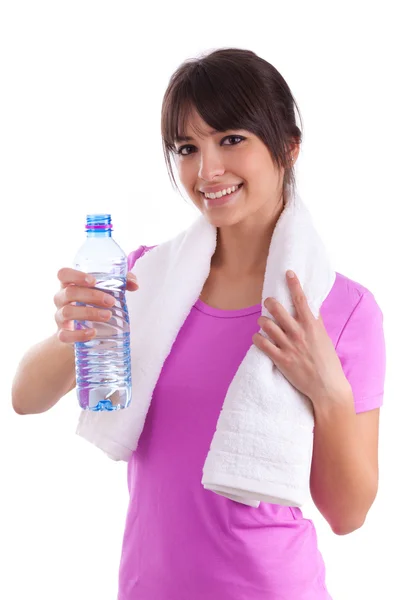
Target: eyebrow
<point>184,138</point>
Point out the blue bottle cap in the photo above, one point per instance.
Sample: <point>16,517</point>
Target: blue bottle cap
<point>98,222</point>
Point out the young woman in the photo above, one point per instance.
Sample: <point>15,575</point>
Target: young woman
<point>228,123</point>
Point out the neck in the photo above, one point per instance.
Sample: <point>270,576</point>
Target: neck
<point>242,249</point>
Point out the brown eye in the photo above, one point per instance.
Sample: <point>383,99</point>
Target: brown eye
<point>180,150</point>
<point>234,137</point>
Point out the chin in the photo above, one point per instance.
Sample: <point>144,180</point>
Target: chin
<point>225,220</point>
<point>219,216</point>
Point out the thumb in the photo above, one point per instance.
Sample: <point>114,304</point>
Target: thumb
<point>131,282</point>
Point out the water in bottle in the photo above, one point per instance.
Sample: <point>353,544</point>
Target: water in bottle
<point>103,364</point>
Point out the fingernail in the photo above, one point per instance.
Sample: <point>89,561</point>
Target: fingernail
<point>90,279</point>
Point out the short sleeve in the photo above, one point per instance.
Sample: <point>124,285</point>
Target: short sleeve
<point>135,254</point>
<point>362,353</point>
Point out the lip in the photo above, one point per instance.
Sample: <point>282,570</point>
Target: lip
<point>227,199</point>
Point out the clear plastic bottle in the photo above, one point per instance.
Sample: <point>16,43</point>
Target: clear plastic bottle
<point>103,364</point>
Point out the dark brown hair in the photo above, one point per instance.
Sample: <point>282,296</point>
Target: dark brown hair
<point>232,88</point>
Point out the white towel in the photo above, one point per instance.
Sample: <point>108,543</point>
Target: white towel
<point>262,446</point>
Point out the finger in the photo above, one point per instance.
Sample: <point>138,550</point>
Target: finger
<point>131,278</point>
<point>68,276</point>
<point>299,298</point>
<point>75,293</point>
<point>131,285</point>
<point>266,346</point>
<point>71,337</point>
<point>275,333</point>
<point>70,312</point>
<point>285,321</point>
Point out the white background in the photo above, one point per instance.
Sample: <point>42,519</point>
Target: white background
<point>81,91</point>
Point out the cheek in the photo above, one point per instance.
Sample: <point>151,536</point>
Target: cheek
<point>248,168</point>
<point>187,176</point>
<point>258,174</point>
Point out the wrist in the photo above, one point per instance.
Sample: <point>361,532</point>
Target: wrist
<point>341,399</point>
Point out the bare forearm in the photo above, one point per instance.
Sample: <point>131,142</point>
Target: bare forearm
<point>343,485</point>
<point>45,374</point>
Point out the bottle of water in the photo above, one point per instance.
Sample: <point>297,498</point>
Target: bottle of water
<point>103,364</point>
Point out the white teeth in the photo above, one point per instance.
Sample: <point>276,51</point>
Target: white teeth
<point>222,192</point>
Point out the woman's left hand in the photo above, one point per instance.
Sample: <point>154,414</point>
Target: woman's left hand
<point>301,348</point>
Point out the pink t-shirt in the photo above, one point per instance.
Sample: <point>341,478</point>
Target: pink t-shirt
<point>182,542</point>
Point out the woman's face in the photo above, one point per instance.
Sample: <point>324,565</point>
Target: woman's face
<point>216,161</point>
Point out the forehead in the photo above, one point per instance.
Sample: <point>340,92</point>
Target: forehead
<point>192,125</point>
<point>189,138</point>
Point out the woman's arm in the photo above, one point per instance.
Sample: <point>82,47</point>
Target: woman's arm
<point>45,374</point>
<point>344,470</point>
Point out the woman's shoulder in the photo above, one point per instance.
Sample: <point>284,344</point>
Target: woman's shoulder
<point>355,322</point>
<point>347,294</point>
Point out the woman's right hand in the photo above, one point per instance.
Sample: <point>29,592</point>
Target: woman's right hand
<point>75,288</point>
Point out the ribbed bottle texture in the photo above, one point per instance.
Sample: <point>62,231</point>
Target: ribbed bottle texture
<point>103,364</point>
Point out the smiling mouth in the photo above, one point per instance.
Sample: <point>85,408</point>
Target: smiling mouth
<point>226,200</point>
<point>224,195</point>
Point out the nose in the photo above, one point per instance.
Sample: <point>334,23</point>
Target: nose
<point>211,165</point>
